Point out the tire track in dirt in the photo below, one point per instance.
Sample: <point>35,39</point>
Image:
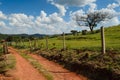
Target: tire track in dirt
<point>24,70</point>
<point>58,72</point>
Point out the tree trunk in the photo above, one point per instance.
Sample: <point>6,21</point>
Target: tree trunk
<point>91,29</point>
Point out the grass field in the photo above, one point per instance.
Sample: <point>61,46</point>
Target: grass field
<point>87,42</point>
<point>83,42</point>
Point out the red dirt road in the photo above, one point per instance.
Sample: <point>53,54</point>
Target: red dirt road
<point>24,70</point>
<point>58,72</point>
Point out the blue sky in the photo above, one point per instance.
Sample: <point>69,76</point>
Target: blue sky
<point>29,7</point>
<point>50,16</point>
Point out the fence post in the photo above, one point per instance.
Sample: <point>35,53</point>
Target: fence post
<point>64,46</point>
<point>5,47</point>
<point>47,42</point>
<point>30,45</point>
<point>102,40</point>
<point>35,43</point>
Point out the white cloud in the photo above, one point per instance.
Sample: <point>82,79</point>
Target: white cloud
<point>73,2</point>
<point>20,23</point>
<point>93,7</point>
<point>54,23</point>
<point>61,8</point>
<point>20,20</point>
<point>112,6</point>
<point>77,13</point>
<point>2,16</point>
<point>62,4</point>
<point>2,24</point>
<point>3,27</point>
<point>52,18</point>
<point>112,12</point>
<point>111,22</point>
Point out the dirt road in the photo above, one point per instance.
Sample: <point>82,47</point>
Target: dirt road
<point>24,70</point>
<point>58,72</point>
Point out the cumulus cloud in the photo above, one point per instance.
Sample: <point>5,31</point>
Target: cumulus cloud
<point>113,5</point>
<point>3,27</point>
<point>44,24</point>
<point>62,4</point>
<point>54,23</point>
<point>77,3</point>
<point>111,22</point>
<point>77,13</point>
<point>61,8</point>
<point>2,24</point>
<point>50,19</point>
<point>2,16</point>
<point>20,20</point>
<point>92,7</point>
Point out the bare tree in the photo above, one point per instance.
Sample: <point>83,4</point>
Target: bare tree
<point>92,19</point>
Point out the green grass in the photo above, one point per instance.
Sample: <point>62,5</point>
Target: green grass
<point>83,42</point>
<point>38,66</point>
<point>89,41</point>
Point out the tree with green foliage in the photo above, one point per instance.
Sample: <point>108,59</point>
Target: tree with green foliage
<point>92,19</point>
<point>74,32</point>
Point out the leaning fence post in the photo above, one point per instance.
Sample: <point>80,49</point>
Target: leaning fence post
<point>102,40</point>
<point>64,46</point>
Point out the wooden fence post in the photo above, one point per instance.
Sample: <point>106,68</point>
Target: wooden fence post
<point>35,43</point>
<point>64,46</point>
<point>102,40</point>
<point>5,48</point>
<point>46,42</point>
<point>30,45</point>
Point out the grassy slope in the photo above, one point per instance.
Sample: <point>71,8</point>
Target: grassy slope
<point>90,41</point>
<point>84,42</point>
